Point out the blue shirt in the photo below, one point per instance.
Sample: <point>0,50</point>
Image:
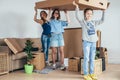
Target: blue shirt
<point>46,28</point>
<point>57,26</point>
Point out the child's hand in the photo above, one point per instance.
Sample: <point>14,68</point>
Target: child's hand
<point>74,3</point>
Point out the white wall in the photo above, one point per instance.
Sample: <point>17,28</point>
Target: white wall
<point>16,20</point>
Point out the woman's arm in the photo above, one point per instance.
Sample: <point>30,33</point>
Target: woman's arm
<point>49,14</point>
<point>35,18</point>
<point>67,16</point>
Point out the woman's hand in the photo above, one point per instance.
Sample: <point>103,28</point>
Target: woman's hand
<point>35,9</point>
<point>65,11</point>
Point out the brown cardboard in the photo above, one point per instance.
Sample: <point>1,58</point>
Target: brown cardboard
<point>97,67</point>
<point>73,64</point>
<point>4,63</point>
<point>68,4</point>
<point>13,45</point>
<point>73,42</point>
<point>98,44</point>
<point>39,61</point>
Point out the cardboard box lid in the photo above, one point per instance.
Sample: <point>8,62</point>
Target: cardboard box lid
<point>68,4</point>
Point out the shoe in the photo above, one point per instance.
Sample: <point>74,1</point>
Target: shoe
<point>93,76</point>
<point>63,68</point>
<point>54,66</point>
<point>87,77</point>
<point>47,63</point>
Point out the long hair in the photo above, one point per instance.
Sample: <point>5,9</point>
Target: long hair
<point>52,17</point>
<point>42,17</point>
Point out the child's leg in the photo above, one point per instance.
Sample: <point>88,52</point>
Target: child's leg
<point>86,50</point>
<point>92,57</point>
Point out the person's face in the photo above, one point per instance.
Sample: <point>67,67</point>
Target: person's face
<point>88,15</point>
<point>43,15</point>
<point>56,14</point>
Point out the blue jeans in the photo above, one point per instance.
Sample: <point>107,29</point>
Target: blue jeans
<point>89,49</point>
<point>45,39</point>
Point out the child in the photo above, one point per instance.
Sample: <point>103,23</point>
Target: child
<point>45,38</point>
<point>57,40</point>
<point>89,37</point>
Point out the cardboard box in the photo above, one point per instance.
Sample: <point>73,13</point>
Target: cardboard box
<point>68,4</point>
<point>4,63</point>
<point>97,68</point>
<point>73,64</point>
<point>73,42</point>
<point>38,61</point>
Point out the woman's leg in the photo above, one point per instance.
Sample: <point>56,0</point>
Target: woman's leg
<point>61,54</point>
<point>53,54</point>
<point>47,47</point>
<point>42,41</point>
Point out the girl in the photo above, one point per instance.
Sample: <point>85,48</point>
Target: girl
<point>89,37</point>
<point>57,40</point>
<point>45,38</point>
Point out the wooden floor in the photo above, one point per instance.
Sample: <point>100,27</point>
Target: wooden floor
<point>112,73</point>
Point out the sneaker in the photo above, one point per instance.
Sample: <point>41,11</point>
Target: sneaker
<point>93,76</point>
<point>87,77</point>
<point>54,66</point>
<point>63,67</point>
<point>47,63</point>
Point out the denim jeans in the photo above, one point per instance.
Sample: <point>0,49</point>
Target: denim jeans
<point>56,40</point>
<point>89,49</point>
<point>45,39</point>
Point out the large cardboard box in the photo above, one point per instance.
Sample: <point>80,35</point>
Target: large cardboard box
<point>97,68</point>
<point>73,42</point>
<point>68,4</point>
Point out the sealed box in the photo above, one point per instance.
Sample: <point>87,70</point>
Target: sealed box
<point>38,61</point>
<point>73,64</point>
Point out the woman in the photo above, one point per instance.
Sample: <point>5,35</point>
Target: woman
<point>45,38</point>
<point>89,37</point>
<point>57,40</point>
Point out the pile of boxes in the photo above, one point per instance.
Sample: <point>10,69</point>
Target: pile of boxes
<point>76,64</point>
